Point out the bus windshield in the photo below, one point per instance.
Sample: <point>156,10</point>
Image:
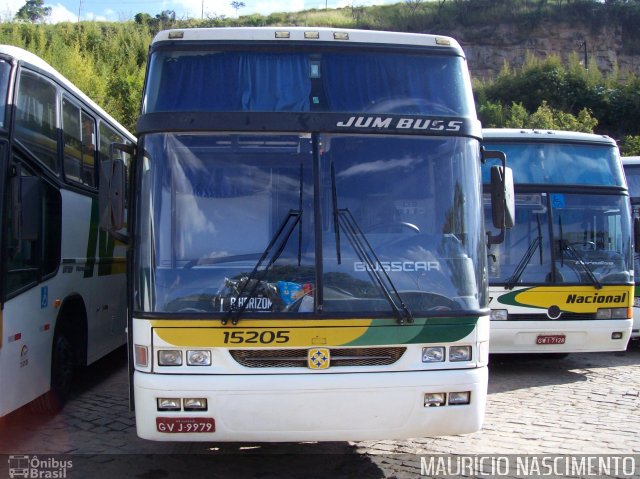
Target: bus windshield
<point>285,223</point>
<point>564,238</point>
<point>560,163</point>
<point>255,79</point>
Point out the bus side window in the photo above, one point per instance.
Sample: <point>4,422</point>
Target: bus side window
<point>72,141</point>
<point>88,150</point>
<point>35,127</point>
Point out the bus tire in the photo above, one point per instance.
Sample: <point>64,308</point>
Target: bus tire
<point>62,368</point>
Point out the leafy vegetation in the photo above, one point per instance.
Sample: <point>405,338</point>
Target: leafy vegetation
<point>107,60</point>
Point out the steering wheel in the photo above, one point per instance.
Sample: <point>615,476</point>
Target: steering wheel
<point>584,245</point>
<point>424,301</point>
<point>409,106</point>
<point>392,226</point>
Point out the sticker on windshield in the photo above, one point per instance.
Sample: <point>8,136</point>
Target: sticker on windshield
<point>251,304</point>
<point>557,200</point>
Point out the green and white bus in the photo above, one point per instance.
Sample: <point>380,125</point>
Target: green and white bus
<point>62,280</point>
<point>562,280</point>
<point>631,166</point>
<point>308,256</point>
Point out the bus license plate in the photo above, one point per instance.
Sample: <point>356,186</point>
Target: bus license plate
<point>185,424</point>
<point>551,339</point>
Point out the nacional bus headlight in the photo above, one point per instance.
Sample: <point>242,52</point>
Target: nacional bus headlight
<point>614,313</point>
<point>433,354</point>
<point>459,353</point>
<point>169,357</point>
<point>499,315</point>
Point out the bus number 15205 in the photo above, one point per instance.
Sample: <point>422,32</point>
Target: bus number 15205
<point>256,337</point>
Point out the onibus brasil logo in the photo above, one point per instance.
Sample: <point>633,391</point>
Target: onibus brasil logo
<point>35,467</point>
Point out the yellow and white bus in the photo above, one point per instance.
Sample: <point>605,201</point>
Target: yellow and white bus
<point>631,166</point>
<point>62,280</point>
<point>309,260</point>
<point>562,280</point>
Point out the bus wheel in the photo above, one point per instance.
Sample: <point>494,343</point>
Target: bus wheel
<point>62,366</point>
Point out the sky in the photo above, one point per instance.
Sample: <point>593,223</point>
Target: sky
<point>123,10</point>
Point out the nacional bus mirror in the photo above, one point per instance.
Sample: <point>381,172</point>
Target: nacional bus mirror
<point>502,197</point>
<point>636,234</point>
<point>111,196</point>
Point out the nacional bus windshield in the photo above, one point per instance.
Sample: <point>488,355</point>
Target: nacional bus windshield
<point>298,223</point>
<point>301,81</point>
<point>632,172</point>
<point>566,230</point>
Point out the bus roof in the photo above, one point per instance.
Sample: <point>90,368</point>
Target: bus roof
<point>307,34</point>
<point>631,160</point>
<point>522,134</point>
<point>33,60</point>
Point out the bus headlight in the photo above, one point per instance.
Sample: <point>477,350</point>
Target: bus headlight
<point>433,354</point>
<point>435,399</point>
<point>195,404</point>
<point>614,313</point>
<point>168,404</point>
<point>199,358</point>
<point>459,353</point>
<point>499,315</point>
<point>461,397</point>
<point>169,357</point>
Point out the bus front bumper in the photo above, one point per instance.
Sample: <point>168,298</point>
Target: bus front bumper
<point>559,336</point>
<point>309,407</point>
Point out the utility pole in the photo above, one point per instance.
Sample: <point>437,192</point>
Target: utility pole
<point>79,8</point>
<point>583,44</point>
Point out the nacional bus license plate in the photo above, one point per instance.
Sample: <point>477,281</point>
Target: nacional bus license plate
<point>551,339</point>
<point>185,424</point>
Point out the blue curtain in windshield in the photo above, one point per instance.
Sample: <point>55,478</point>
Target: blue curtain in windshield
<point>389,83</point>
<point>235,82</point>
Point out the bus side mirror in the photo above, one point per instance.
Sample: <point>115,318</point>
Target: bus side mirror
<point>636,235</point>
<point>112,195</point>
<point>502,197</point>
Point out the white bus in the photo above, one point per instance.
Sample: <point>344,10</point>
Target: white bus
<point>562,281</point>
<point>631,166</point>
<point>309,260</point>
<point>62,280</point>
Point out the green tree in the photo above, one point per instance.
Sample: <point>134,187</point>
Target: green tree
<point>630,146</point>
<point>33,11</point>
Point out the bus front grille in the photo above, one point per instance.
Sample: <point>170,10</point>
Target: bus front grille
<point>297,358</point>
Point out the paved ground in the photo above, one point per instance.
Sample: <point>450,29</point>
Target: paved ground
<point>584,404</point>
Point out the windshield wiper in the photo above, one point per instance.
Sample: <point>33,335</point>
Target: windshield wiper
<point>343,218</point>
<point>253,281</point>
<point>255,278</point>
<point>566,246</point>
<point>518,272</point>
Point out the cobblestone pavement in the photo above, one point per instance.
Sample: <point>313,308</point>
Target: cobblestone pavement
<point>583,404</point>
